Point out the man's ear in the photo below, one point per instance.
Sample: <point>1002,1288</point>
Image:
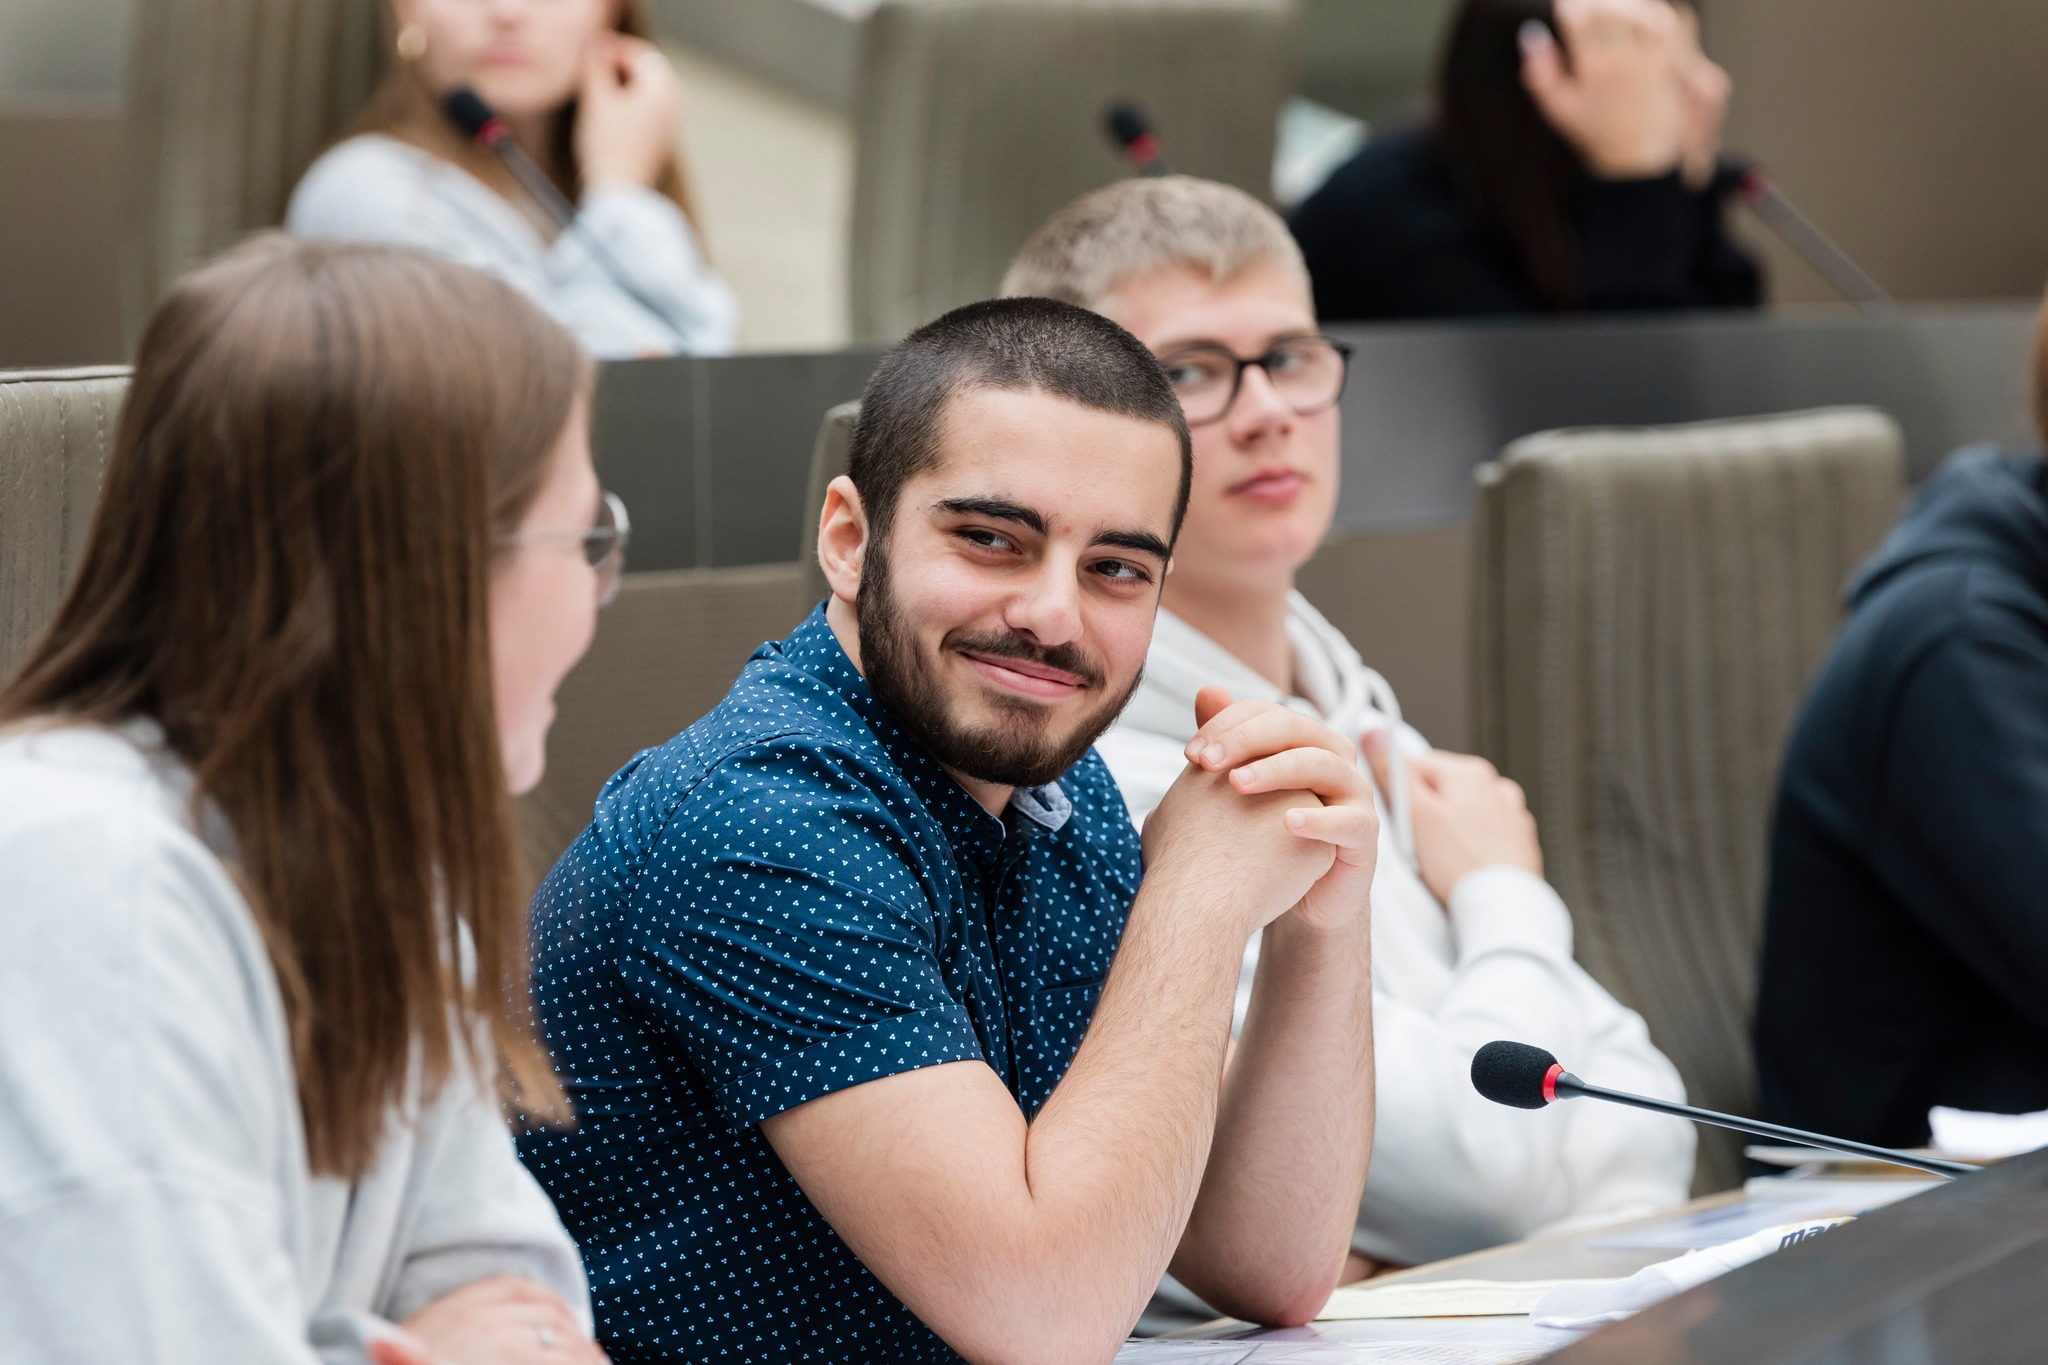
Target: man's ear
<point>843,538</point>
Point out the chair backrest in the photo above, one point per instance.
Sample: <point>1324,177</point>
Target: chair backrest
<point>228,102</point>
<point>976,119</point>
<point>1649,608</point>
<point>666,651</point>
<point>56,431</point>
<point>828,462</point>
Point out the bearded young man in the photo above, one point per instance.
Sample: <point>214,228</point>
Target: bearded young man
<point>818,975</point>
<point>1470,943</point>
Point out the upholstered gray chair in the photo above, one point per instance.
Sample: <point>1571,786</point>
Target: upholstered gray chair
<point>975,119</point>
<point>56,431</point>
<point>228,102</point>
<point>1649,609</point>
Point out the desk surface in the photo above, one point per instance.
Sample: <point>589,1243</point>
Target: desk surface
<point>1587,1254</point>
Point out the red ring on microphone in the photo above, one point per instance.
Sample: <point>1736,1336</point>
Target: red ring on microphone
<point>1550,1082</point>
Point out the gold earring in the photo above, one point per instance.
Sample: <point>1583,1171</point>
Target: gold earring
<point>412,43</point>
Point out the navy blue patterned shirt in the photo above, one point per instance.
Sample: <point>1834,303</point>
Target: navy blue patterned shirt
<point>787,899</point>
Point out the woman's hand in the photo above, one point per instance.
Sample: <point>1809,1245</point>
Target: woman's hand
<point>626,113</point>
<point>1706,87</point>
<point>503,1320</point>
<point>1616,87</point>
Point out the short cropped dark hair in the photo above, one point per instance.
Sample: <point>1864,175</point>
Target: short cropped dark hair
<point>1010,344</point>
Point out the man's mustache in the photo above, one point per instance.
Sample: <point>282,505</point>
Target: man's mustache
<point>1008,645</point>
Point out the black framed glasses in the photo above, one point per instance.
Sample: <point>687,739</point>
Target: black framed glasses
<point>1308,372</point>
<point>604,544</point>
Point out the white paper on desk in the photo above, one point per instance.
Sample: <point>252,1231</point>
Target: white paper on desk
<point>1970,1136</point>
<point>1718,1227</point>
<point>1434,1299</point>
<point>1589,1303</point>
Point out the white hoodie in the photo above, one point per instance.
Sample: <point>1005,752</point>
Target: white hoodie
<point>1451,1172</point>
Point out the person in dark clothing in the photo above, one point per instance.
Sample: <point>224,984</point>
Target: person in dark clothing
<point>1573,166</point>
<point>1905,959</point>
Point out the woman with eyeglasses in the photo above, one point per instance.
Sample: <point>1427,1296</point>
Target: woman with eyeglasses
<point>1469,942</point>
<point>263,962</point>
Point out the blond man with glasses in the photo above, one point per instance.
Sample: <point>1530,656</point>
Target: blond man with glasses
<point>1469,942</point>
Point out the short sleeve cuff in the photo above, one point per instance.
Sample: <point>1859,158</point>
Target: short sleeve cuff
<point>1507,908</point>
<point>883,1047</point>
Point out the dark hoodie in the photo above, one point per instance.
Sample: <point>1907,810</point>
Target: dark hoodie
<point>1905,957</point>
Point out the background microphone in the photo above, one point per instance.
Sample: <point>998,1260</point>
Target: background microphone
<point>478,122</point>
<point>1133,135</point>
<point>1529,1078</point>
<point>1813,246</point>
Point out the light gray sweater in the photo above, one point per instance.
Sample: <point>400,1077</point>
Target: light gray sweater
<point>155,1202</point>
<point>664,300</point>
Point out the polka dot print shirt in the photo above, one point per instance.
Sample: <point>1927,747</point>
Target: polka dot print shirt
<point>787,899</point>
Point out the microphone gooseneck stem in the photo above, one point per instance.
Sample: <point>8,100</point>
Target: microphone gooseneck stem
<point>1568,1086</point>
<point>495,138</point>
<point>1813,246</point>
<point>535,182</point>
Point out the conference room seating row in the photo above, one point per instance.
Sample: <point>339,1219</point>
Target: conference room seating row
<point>971,125</point>
<point>1648,606</point>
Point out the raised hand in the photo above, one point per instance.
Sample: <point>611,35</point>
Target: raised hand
<point>627,113</point>
<point>1706,88</point>
<point>1467,816</point>
<point>1616,86</point>
<point>503,1320</point>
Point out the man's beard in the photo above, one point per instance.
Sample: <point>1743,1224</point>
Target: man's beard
<point>1018,752</point>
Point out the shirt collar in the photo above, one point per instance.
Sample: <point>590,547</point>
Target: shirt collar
<point>814,648</point>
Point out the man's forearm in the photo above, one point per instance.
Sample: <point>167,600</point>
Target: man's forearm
<point>1116,1155</point>
<point>1280,1195</point>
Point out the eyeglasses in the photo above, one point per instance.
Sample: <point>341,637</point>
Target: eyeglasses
<point>1307,372</point>
<point>604,544</point>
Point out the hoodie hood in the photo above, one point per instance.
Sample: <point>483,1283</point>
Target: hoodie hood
<point>1981,505</point>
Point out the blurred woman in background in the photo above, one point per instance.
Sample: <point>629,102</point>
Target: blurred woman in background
<point>589,98</point>
<point>1573,165</point>
<point>263,960</point>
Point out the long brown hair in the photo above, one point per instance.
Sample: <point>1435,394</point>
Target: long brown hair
<point>407,108</point>
<point>289,571</point>
<point>1516,170</point>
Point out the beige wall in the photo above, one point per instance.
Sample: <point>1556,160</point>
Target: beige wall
<point>1399,597</point>
<point>59,204</point>
<point>1915,132</point>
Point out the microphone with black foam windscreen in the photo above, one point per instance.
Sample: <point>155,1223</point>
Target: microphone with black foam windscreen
<point>1135,137</point>
<point>481,124</point>
<point>1813,246</point>
<point>1527,1077</point>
